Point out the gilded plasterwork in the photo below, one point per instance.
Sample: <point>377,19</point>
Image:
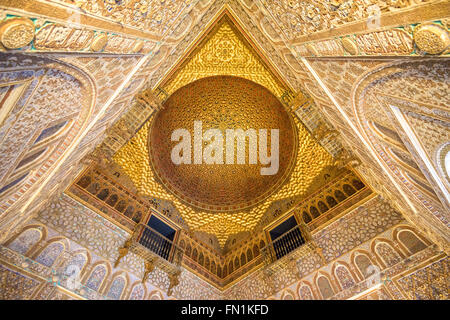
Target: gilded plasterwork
<point>311,160</point>
<point>301,18</point>
<point>153,16</point>
<point>225,53</point>
<point>355,63</point>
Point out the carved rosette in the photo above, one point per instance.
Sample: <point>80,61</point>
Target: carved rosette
<point>16,33</point>
<point>350,46</point>
<point>431,38</point>
<point>99,42</point>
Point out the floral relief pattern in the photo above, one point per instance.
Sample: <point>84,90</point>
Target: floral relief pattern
<point>299,18</point>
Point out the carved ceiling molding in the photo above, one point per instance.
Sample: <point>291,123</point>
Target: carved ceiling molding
<point>67,28</point>
<point>304,21</point>
<point>114,17</point>
<point>398,41</point>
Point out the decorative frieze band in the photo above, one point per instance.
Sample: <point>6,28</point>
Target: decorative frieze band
<point>37,35</point>
<point>411,40</point>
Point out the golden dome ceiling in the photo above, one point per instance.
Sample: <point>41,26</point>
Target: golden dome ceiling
<point>221,102</point>
<point>239,59</point>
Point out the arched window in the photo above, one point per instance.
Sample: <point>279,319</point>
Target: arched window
<point>358,184</point>
<point>243,259</point>
<point>364,265</point>
<point>48,256</point>
<point>93,188</point>
<point>236,263</point>
<point>314,212</point>
<point>322,207</point>
<point>30,158</point>
<point>387,254</point>
<point>306,217</point>
<point>112,200</point>
<point>219,271</point>
<point>102,195</point>
<point>339,195</point>
<point>224,271</point>
<point>249,255</point>
<point>207,263</point>
<point>325,287</point>
<point>84,182</point>
<point>188,250</point>
<point>75,266</point>
<point>129,212</point>
<point>137,217</point>
<point>156,296</point>
<point>262,244</point>
<point>50,131</point>
<point>230,267</point>
<point>194,254</point>
<point>116,288</point>
<point>411,241</point>
<point>121,206</point>
<point>255,250</point>
<point>344,277</point>
<point>331,201</point>
<point>13,183</point>
<point>348,189</point>
<point>200,259</point>
<point>305,293</point>
<point>288,296</point>
<point>213,267</point>
<point>138,292</point>
<point>387,132</point>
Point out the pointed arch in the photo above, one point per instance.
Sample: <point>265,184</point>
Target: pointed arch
<point>409,239</point>
<point>362,261</point>
<point>324,285</point>
<point>26,241</point>
<point>345,277</point>
<point>138,291</point>
<point>118,286</point>
<point>53,249</point>
<point>304,291</point>
<point>385,252</point>
<point>288,294</point>
<point>99,273</point>
<point>156,295</point>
